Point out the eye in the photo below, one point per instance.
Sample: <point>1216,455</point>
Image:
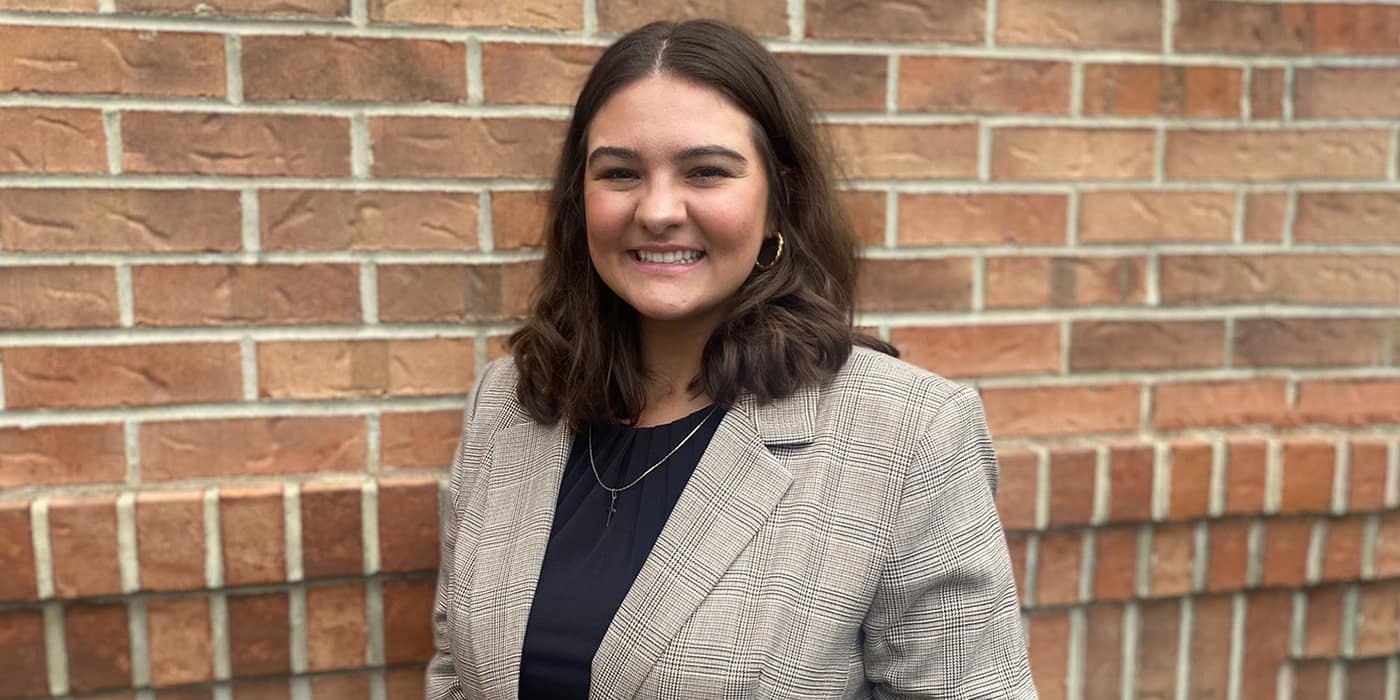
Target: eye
<point>708,172</point>
<point>616,175</point>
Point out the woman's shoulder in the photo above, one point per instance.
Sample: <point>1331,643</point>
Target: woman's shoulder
<point>884,379</point>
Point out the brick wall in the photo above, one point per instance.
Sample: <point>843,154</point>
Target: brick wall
<point>252,254</point>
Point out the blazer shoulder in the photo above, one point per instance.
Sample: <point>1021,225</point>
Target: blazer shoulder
<point>879,375</point>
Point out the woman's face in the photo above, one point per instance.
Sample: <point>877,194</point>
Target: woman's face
<point>675,197</point>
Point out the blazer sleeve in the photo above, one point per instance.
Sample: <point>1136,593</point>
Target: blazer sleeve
<point>946,619</point>
<point>442,682</point>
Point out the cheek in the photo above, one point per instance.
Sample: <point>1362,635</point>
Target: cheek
<point>605,214</point>
<point>734,222</point>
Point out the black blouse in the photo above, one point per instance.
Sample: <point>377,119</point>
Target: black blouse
<point>589,565</point>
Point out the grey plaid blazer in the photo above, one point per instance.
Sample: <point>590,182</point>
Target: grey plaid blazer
<point>841,542</point>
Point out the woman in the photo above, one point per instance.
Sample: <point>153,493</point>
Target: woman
<point>687,482</point>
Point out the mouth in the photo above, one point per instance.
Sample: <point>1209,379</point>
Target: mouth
<point>670,257</point>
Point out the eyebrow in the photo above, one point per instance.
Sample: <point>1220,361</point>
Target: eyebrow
<point>687,154</point>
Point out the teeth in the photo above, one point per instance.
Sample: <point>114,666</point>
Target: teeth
<point>672,257</point>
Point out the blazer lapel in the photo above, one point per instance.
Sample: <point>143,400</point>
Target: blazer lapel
<point>731,494</point>
<point>527,464</point>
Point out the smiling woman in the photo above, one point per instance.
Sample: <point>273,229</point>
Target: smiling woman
<point>689,480</point>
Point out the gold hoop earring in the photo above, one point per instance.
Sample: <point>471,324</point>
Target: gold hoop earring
<point>764,267</point>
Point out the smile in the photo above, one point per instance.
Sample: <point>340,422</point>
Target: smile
<point>670,257</point>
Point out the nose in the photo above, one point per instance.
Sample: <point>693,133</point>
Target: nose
<point>661,206</point>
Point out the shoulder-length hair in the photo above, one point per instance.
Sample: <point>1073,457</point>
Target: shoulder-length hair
<point>578,355</point>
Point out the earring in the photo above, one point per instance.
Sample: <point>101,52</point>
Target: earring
<point>763,267</point>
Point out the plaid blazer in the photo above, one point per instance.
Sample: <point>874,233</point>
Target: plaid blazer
<point>841,542</point>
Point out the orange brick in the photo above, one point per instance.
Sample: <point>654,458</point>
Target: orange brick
<point>1308,466</point>
<point>1290,279</point>
<point>1245,477</point>
<point>260,633</point>
<point>1210,646</point>
<point>1119,216</point>
<point>253,535</point>
<point>524,14</point>
<point>170,540</point>
<point>58,297</point>
<point>1339,218</point>
<point>896,151</point>
<point>1019,489</point>
<point>352,68</point>
<point>1191,478</point>
<point>1266,648</point>
<point>408,617</point>
<point>1332,93</point>
<point>953,84</point>
<point>915,285</point>
<point>1358,29</point>
<point>16,555</point>
<point>1159,638</point>
<point>418,440</point>
<point>1286,543</point>
<point>346,368</point>
<point>1149,90</point>
<point>1341,556</point>
<point>408,524</point>
<point>1131,476</point>
<point>181,640</point>
<point>235,144</point>
<point>49,6</point>
<point>355,686</point>
<point>75,220</point>
<point>1369,459</point>
<point>1265,216</point>
<point>1065,282</point>
<point>442,293</point>
<point>1213,25</point>
<point>952,21</point>
<point>1349,402</point>
<point>83,542</point>
<point>535,73</point>
<point>981,350</point>
<point>1051,153</point>
<point>282,8</point>
<point>866,211</point>
<point>1146,345</point>
<point>41,140</point>
<point>1323,634</point>
<point>97,638</point>
<point>1229,556</point>
<point>340,220</point>
<point>23,655</point>
<point>1377,614</point>
<point>1060,561</point>
<point>1266,92</point>
<point>1239,154</point>
<point>839,82</point>
<point>982,219</point>
<point>1227,403</point>
<point>1131,24</point>
<point>1173,559</point>
<point>121,375</point>
<point>1069,410</point>
<point>59,455</point>
<point>330,530</point>
<point>1115,563</point>
<point>251,447</point>
<point>465,148</point>
<point>518,218</point>
<point>104,61</point>
<point>1049,653</point>
<point>335,626</point>
<point>1309,342</point>
<point>761,17</point>
<point>216,295</point>
<point>1367,678</point>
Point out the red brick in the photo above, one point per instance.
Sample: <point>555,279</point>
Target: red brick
<point>83,540</point>
<point>1367,678</point>
<point>524,14</point>
<point>1290,279</point>
<point>1265,216</point>
<point>1192,467</point>
<point>452,293</point>
<point>1349,402</point>
<point>271,689</point>
<point>839,82</point>
<point>260,634</point>
<point>953,21</point>
<point>121,375</point>
<point>1339,218</point>
<point>1142,216</point>
<point>1214,25</point>
<point>1227,403</point>
<point>1245,476</point>
<point>349,368</point>
<point>1286,543</point>
<point>330,530</point>
<point>915,285</point>
<point>218,295</point>
<point>353,687</point>
<point>1115,563</point>
<point>1377,614</point>
<point>16,553</point>
<point>899,151</point>
<point>342,219</point>
<point>57,297</point>
<point>170,540</point>
<point>283,8</point>
<point>408,524</point>
<point>1266,647</point>
<point>1065,282</point>
<point>955,84</point>
<point>1053,153</point>
<point>1266,93</point>
<point>1132,89</point>
<point>1131,475</point>
<point>1367,490</point>
<point>1019,488</point>
<point>252,447</point>
<point>352,68</point>
<point>1173,559</point>
<point>1062,410</point>
<point>1103,651</point>
<point>335,626</point>
<point>1276,155</point>
<point>1134,24</point>
<point>1357,29</point>
<point>235,144</point>
<point>1049,653</point>
<point>518,218</point>
<point>1229,556</point>
<point>1323,633</point>
<point>57,455</point>
<point>1159,638</point>
<point>1308,466</point>
<point>1146,345</point>
<point>408,614</point>
<point>536,73</point>
<point>1072,485</point>
<point>761,17</point>
<point>1387,549</point>
<point>418,440</point>
<point>110,220</point>
<point>1060,564</point>
<point>982,350</point>
<point>465,148</point>
<point>1309,342</point>
<point>253,535</point>
<point>981,219</point>
<point>40,140</point>
<point>23,655</point>
<point>866,211</point>
<point>1341,557</point>
<point>1210,647</point>
<point>1332,93</point>
<point>97,638</point>
<point>103,61</point>
<point>181,643</point>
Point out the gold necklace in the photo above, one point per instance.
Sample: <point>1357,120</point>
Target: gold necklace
<point>612,504</point>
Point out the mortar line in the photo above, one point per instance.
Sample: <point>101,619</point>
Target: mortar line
<point>1183,648</point>
<point>233,68</point>
<point>250,210</point>
<point>892,84</point>
<point>1273,477</point>
<point>1103,486</point>
<point>1254,565</point>
<point>369,293</point>
<point>369,525</point>
<point>1128,682</point>
<point>1247,93</point>
<point>1075,673</point>
<point>291,517</point>
<point>377,689</point>
<point>43,548</point>
<point>56,648</point>
<point>301,688</point>
<point>127,553</point>
<point>1370,536</point>
<point>485,222</point>
<point>1341,477</point>
<point>1317,543</point>
<point>990,29</point>
<point>248,367</point>
<point>1288,77</point>
<point>796,16</point>
<point>131,441</point>
<point>361,150</point>
<point>1238,221</point>
<point>891,219</point>
<point>1219,469</point>
<point>1161,481</point>
<point>1237,620</point>
<point>374,619</point>
<point>359,13</point>
<point>139,638</point>
<point>125,302</point>
<point>475,74</point>
<point>296,614</point>
<point>213,540</point>
<point>1392,475</point>
<point>1076,89</point>
<point>218,622</point>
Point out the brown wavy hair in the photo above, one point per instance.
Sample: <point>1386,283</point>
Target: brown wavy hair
<point>579,356</point>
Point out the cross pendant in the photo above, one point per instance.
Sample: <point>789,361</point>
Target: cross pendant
<point>612,507</point>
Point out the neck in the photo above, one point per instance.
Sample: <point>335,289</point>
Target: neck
<point>671,353</point>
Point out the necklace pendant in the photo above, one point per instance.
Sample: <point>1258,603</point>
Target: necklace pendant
<point>612,507</point>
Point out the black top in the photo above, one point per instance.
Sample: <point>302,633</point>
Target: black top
<point>589,565</point>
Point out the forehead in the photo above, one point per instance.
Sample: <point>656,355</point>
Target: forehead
<point>659,113</point>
